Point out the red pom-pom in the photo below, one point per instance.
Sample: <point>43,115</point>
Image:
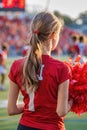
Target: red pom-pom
<point>78,87</point>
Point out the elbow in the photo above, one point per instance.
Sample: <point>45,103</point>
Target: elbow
<point>10,114</point>
<point>61,113</point>
<point>10,111</point>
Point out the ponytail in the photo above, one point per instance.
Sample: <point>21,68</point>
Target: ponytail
<point>33,64</point>
<point>43,26</point>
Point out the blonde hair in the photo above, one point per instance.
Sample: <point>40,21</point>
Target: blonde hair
<point>42,27</point>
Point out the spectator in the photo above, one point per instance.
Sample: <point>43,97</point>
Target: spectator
<point>3,59</point>
<point>81,46</point>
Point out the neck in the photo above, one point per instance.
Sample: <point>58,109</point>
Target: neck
<point>46,49</point>
<point>46,53</point>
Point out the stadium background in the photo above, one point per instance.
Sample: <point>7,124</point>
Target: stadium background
<point>12,14</point>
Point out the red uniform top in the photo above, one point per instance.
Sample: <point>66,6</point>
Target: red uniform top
<point>40,106</point>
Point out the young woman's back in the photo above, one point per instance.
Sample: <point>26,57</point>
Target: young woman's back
<point>40,106</point>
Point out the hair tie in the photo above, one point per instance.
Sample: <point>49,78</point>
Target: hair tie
<point>36,32</point>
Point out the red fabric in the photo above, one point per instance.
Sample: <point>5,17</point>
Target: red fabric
<point>45,98</point>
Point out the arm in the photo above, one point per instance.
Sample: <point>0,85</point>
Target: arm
<point>14,108</point>
<point>63,105</point>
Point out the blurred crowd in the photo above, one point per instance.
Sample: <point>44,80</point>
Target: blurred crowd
<point>77,47</point>
<point>15,30</point>
<point>69,38</point>
<point>13,33</point>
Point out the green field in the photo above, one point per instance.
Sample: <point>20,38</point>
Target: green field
<point>72,121</point>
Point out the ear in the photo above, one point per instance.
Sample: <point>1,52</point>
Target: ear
<point>53,35</point>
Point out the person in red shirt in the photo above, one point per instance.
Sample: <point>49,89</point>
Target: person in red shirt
<point>42,80</point>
